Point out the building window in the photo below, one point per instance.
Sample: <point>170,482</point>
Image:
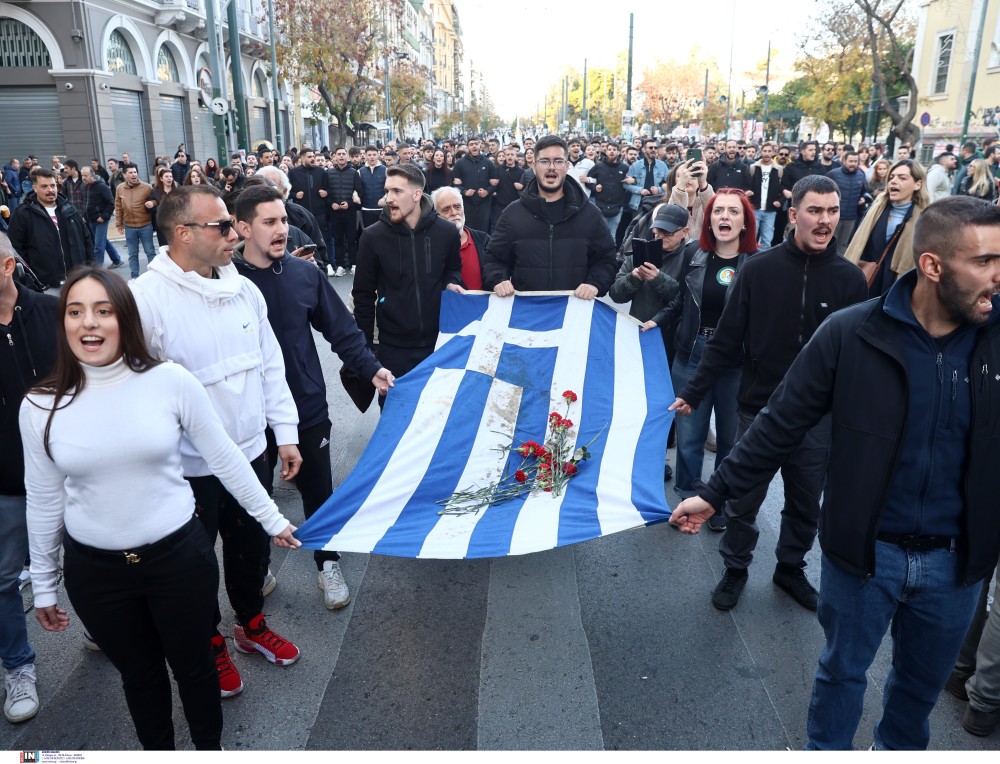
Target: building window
<point>942,63</point>
<point>166,66</point>
<point>20,46</point>
<point>120,55</point>
<point>258,85</point>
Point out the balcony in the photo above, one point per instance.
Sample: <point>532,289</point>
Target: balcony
<point>186,16</point>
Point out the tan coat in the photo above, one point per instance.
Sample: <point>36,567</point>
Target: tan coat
<point>130,205</point>
<point>902,256</point>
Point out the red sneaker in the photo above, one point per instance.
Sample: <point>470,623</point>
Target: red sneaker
<point>257,637</point>
<point>230,682</point>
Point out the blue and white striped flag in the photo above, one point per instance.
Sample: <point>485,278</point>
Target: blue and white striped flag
<point>499,369</point>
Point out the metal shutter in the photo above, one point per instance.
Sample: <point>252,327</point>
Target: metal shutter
<point>127,109</point>
<point>172,109</point>
<point>207,133</point>
<point>260,127</point>
<point>32,124</point>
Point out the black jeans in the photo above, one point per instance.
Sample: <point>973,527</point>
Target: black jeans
<point>315,478</point>
<point>246,547</point>
<point>160,606</point>
<point>400,360</point>
<point>343,227</point>
<point>804,476</point>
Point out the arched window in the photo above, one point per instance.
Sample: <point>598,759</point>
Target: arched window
<point>166,66</point>
<point>20,46</point>
<point>259,89</point>
<point>119,57</point>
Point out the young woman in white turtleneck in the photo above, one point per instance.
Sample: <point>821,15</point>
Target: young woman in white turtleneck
<point>139,568</point>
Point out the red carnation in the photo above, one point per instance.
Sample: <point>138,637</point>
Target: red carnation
<point>570,396</point>
<point>569,468</point>
<point>541,452</point>
<point>520,476</point>
<point>555,418</point>
<point>567,423</point>
<point>525,450</point>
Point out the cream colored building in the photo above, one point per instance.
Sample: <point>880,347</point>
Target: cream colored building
<point>943,57</point>
<point>448,53</point>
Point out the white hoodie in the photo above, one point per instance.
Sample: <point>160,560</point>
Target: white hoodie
<point>218,330</point>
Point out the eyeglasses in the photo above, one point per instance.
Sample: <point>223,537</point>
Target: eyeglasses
<point>224,226</point>
<point>782,153</point>
<point>546,162</point>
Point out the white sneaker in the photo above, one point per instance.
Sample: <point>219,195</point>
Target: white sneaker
<point>331,581</point>
<point>341,271</point>
<point>330,271</point>
<point>353,268</point>
<point>23,579</point>
<point>269,582</point>
<point>22,695</point>
<point>89,643</point>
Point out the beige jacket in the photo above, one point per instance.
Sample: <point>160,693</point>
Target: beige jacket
<point>130,205</point>
<point>902,255</point>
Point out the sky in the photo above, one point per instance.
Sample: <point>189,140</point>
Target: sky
<point>500,40</point>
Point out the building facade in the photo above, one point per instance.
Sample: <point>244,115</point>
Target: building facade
<point>103,78</point>
<point>943,57</point>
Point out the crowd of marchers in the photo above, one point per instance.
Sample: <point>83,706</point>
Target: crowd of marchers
<point>833,313</point>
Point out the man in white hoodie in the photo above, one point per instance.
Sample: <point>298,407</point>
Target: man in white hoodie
<point>199,312</point>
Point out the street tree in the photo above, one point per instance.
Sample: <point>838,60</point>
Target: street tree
<point>337,47</point>
<point>408,89</point>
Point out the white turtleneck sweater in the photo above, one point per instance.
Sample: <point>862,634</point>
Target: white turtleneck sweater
<point>115,480</point>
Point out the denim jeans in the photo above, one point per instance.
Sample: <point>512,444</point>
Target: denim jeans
<point>920,595</point>
<point>765,227</point>
<point>132,238</point>
<point>613,224</point>
<point>693,430</point>
<point>102,244</point>
<point>14,648</point>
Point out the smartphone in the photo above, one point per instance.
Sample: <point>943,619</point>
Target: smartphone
<point>308,249</point>
<point>695,155</point>
<point>648,251</point>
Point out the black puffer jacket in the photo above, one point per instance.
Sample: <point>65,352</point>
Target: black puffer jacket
<point>401,273</point>
<point>51,252</point>
<point>343,184</point>
<point>27,354</point>
<point>100,202</point>
<point>309,181</point>
<point>539,256</point>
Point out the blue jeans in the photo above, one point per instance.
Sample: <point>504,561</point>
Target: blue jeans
<point>102,244</point>
<point>613,225</point>
<point>920,595</point>
<point>14,648</point>
<point>693,430</point>
<point>765,227</point>
<point>132,238</point>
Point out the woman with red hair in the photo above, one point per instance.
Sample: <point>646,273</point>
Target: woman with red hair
<point>728,236</point>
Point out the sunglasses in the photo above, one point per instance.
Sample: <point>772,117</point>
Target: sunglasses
<point>224,226</point>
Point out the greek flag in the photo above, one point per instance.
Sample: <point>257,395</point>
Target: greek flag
<point>499,369</point>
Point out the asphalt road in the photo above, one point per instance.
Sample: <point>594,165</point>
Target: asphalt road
<point>608,645</point>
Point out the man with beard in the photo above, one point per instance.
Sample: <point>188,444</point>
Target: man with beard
<point>311,187</point>
<point>300,298</point>
<point>405,261</point>
<point>910,528</point>
<point>551,238</point>
<point>448,203</point>
<point>609,194</point>
<point>477,180</point>
<point>804,165</point>
<point>729,171</point>
<point>777,301</point>
<point>511,182</point>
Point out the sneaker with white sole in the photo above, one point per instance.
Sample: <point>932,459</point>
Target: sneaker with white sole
<point>24,579</point>
<point>22,696</point>
<point>341,271</point>
<point>270,582</point>
<point>353,267</point>
<point>230,682</point>
<point>257,637</point>
<point>90,643</point>
<point>330,271</point>
<point>334,587</point>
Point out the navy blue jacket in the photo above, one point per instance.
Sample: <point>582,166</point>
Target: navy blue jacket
<point>372,184</point>
<point>27,354</point>
<point>858,367</point>
<point>299,295</point>
<point>852,185</point>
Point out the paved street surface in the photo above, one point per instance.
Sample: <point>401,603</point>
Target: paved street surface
<point>612,644</point>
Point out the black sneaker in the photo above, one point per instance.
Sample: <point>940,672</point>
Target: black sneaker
<point>797,586</point>
<point>728,592</point>
<point>717,522</point>
<point>956,685</point>
<point>668,473</point>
